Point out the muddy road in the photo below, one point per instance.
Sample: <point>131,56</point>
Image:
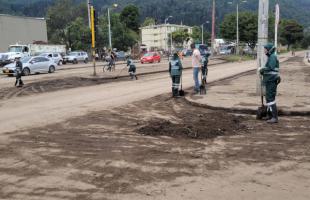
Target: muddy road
<point>131,140</point>
<point>49,107</point>
<point>159,148</point>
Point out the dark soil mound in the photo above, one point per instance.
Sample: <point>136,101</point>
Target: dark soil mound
<point>53,85</point>
<point>201,126</point>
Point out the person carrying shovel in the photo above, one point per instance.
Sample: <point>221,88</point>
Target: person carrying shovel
<point>132,68</point>
<point>271,79</point>
<point>175,71</point>
<point>19,71</point>
<point>204,73</point>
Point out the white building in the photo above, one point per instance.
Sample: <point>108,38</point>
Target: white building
<point>156,36</point>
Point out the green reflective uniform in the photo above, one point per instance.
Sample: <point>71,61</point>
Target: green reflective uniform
<point>175,70</point>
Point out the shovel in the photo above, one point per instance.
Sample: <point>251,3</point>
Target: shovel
<point>202,88</point>
<point>262,110</point>
<point>181,92</point>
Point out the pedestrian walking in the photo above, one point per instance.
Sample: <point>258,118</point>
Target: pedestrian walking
<point>132,68</point>
<point>196,59</point>
<point>19,70</point>
<point>271,79</point>
<point>175,70</point>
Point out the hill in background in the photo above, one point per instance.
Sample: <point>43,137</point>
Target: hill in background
<point>190,12</point>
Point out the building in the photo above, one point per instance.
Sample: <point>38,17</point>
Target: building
<point>22,30</point>
<point>156,36</point>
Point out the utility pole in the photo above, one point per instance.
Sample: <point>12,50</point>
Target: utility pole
<point>277,20</point>
<point>213,29</point>
<point>263,15</point>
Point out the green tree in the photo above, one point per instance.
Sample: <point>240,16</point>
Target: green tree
<point>60,16</point>
<point>78,35</point>
<point>122,37</point>
<point>291,32</point>
<point>247,28</point>
<point>178,37</point>
<point>130,17</point>
<point>148,21</point>
<point>196,34</point>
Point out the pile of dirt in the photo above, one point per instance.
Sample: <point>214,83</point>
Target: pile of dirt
<point>201,126</point>
<point>54,85</point>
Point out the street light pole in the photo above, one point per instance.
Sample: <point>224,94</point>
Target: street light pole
<point>202,34</point>
<point>88,11</point>
<point>237,42</point>
<point>171,42</point>
<point>109,21</point>
<point>110,37</point>
<point>167,38</point>
<point>237,22</point>
<point>213,29</point>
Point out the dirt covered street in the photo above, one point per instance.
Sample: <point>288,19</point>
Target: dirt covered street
<point>159,148</point>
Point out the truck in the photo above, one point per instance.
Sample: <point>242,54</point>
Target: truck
<point>20,51</point>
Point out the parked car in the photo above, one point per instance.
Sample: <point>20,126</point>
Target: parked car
<point>56,57</point>
<point>120,55</point>
<point>225,50</point>
<point>75,57</point>
<point>150,57</point>
<point>248,51</point>
<point>32,65</point>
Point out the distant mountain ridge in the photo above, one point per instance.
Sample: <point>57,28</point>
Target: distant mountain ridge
<point>190,12</point>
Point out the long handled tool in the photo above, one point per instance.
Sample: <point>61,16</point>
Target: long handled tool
<point>261,111</point>
<point>117,76</point>
<point>202,88</point>
<point>181,92</point>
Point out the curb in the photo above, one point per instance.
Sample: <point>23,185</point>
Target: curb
<point>248,111</point>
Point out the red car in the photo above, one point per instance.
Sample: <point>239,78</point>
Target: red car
<point>150,57</point>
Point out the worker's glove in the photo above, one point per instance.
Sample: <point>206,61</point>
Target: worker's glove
<point>260,70</point>
<point>278,80</point>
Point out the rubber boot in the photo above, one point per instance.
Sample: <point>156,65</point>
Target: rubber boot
<point>268,114</point>
<point>175,92</point>
<point>274,112</point>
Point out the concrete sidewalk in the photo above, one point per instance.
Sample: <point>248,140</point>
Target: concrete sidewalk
<point>239,93</point>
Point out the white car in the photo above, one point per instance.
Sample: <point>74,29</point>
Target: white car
<point>32,65</point>
<point>75,57</point>
<point>56,57</point>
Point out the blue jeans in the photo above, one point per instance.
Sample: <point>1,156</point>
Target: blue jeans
<point>195,74</point>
